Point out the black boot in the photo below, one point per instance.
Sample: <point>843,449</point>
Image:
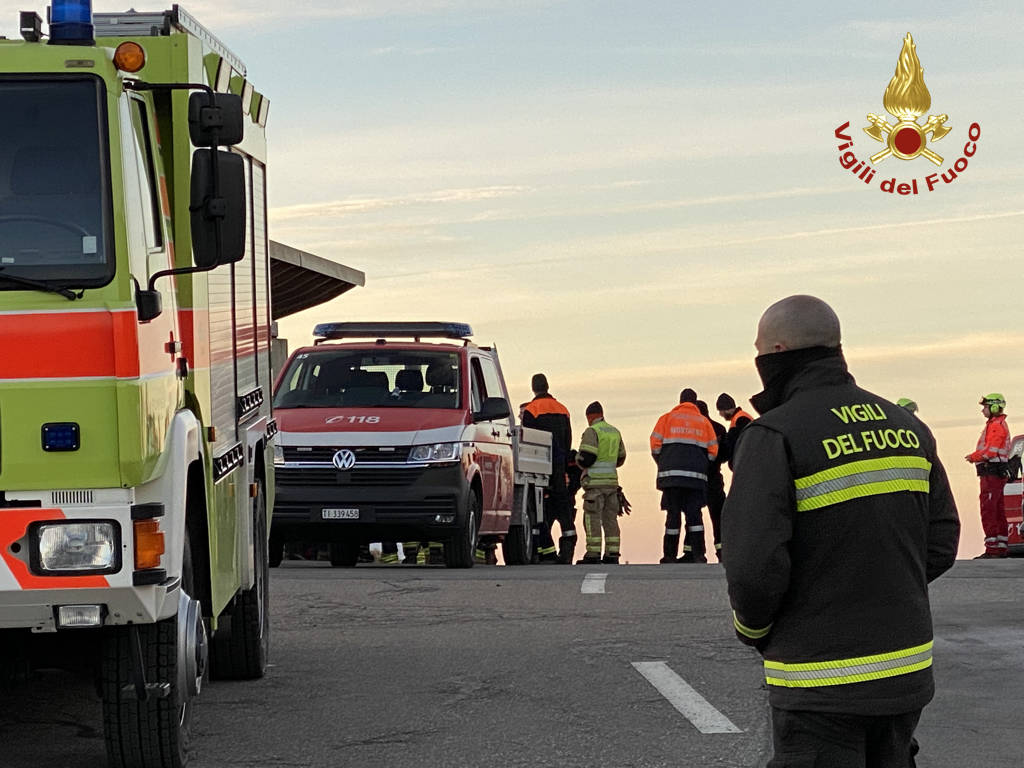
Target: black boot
<point>693,547</point>
<point>670,548</point>
<point>610,559</point>
<point>589,559</point>
<point>566,549</point>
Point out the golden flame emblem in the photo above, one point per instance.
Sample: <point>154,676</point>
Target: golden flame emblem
<point>907,98</point>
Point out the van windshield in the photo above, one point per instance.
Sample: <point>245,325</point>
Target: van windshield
<point>54,209</point>
<point>386,378</point>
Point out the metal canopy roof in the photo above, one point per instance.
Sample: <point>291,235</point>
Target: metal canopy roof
<point>300,280</point>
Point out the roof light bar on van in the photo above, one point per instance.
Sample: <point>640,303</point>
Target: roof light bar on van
<point>325,331</point>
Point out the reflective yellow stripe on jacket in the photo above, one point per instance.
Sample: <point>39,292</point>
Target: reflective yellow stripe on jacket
<point>857,479</point>
<point>842,671</point>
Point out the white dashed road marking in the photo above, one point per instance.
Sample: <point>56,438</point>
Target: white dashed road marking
<point>593,584</point>
<point>691,704</point>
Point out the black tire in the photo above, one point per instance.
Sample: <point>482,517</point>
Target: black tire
<point>240,652</point>
<point>344,554</point>
<point>275,553</point>
<point>459,551</point>
<point>156,733</point>
<point>518,544</point>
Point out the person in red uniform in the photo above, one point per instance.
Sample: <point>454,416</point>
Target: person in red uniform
<point>990,459</point>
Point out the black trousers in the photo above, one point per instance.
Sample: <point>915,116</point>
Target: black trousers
<point>716,500</point>
<point>556,508</point>
<point>826,740</point>
<point>686,502</point>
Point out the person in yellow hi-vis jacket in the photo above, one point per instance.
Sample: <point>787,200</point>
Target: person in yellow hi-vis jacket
<point>601,453</point>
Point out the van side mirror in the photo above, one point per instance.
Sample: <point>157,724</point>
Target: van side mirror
<point>222,117</point>
<point>225,213</point>
<point>492,409</point>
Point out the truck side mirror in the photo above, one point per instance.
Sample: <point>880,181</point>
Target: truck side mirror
<point>223,117</point>
<point>226,212</point>
<point>492,409</point>
<point>149,304</point>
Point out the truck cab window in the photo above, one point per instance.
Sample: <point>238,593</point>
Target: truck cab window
<point>55,219</point>
<point>152,217</point>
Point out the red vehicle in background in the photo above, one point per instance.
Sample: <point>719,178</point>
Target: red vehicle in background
<point>387,437</point>
<point>1013,496</point>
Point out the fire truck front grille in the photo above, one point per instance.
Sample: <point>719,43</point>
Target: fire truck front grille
<point>329,476</point>
<point>69,498</point>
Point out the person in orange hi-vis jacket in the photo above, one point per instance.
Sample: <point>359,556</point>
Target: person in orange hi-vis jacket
<point>990,459</point>
<point>684,444</point>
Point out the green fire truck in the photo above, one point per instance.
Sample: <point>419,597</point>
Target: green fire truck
<point>136,436</point>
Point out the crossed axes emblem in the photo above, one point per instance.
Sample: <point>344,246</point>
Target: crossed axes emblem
<point>880,130</point>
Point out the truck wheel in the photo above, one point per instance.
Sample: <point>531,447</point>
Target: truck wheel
<point>154,733</point>
<point>276,549</point>
<point>240,651</point>
<point>518,544</point>
<point>459,551</point>
<point>344,554</point>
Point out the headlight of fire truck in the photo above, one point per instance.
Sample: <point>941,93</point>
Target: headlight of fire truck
<point>436,452</point>
<point>77,547</point>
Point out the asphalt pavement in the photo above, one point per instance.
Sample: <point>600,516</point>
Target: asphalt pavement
<point>629,666</point>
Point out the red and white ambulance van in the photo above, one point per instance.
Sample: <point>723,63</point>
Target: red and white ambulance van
<point>386,436</point>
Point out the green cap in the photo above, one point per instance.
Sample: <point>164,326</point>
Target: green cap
<point>906,402</point>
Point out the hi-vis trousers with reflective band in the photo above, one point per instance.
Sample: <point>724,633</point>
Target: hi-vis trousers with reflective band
<point>389,552</point>
<point>601,512</point>
<point>419,552</point>
<point>859,669</point>
<point>993,514</point>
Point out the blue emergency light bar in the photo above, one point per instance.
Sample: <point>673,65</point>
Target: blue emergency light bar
<point>71,22</point>
<point>430,330</point>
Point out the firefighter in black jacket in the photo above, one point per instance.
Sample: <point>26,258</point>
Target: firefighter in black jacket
<point>737,418</point>
<point>716,483</point>
<point>838,516</point>
<point>544,412</point>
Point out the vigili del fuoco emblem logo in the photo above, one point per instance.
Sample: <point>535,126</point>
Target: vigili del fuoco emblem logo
<point>907,99</point>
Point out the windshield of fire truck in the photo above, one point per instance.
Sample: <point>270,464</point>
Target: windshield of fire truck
<point>54,190</point>
<point>385,378</point>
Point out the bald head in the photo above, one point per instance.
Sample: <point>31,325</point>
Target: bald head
<point>797,322</point>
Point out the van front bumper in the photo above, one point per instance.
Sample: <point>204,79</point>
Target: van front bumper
<point>392,503</point>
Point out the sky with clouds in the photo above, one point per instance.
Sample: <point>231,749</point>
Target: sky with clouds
<point>613,192</point>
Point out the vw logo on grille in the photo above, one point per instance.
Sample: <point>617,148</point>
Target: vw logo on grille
<point>344,459</point>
